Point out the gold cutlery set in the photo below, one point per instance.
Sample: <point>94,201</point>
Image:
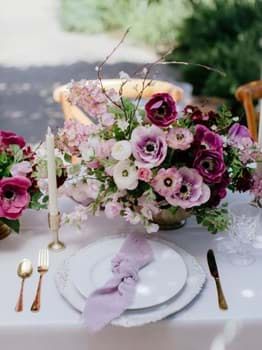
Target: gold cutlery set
<point>24,271</point>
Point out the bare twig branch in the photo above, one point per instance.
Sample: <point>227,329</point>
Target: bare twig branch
<point>195,64</point>
<point>101,66</point>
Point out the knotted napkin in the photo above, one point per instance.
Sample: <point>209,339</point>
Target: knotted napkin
<point>110,301</point>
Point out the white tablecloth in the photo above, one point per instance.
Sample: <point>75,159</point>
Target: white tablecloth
<point>200,326</point>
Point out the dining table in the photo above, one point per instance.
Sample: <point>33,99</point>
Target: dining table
<point>200,325</point>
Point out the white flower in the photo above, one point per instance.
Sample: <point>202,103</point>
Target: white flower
<point>122,124</point>
<point>108,119</point>
<point>121,150</point>
<point>125,175</point>
<point>132,217</point>
<point>139,117</point>
<point>87,152</point>
<point>124,76</point>
<point>151,228</point>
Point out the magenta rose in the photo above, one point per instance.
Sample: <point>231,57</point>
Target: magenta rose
<point>161,110</point>
<point>207,139</point>
<point>210,165</point>
<point>149,146</point>
<point>14,196</point>
<point>10,138</point>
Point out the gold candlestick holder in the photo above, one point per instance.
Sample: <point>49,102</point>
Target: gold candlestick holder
<point>54,225</point>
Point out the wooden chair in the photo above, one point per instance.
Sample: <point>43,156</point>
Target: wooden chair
<point>130,90</point>
<point>246,94</point>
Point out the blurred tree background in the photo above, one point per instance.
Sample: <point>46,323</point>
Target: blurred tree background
<point>224,34</point>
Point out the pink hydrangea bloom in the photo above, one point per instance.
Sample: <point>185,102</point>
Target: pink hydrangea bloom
<point>73,134</point>
<point>167,181</point>
<point>88,95</point>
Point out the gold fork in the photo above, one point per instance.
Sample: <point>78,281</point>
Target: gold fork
<point>42,268</point>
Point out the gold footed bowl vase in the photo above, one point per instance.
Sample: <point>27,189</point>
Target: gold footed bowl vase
<point>167,219</point>
<point>4,230</point>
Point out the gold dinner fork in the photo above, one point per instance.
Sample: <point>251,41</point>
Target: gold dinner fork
<point>42,268</point>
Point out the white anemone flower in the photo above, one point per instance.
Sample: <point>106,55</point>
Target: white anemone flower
<point>121,150</point>
<point>125,175</point>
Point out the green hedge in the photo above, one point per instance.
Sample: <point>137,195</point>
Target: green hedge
<point>153,22</point>
<point>224,34</point>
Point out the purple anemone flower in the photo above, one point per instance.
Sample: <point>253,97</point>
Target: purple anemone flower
<point>192,192</point>
<point>161,110</point>
<point>207,139</point>
<point>149,146</point>
<point>210,165</point>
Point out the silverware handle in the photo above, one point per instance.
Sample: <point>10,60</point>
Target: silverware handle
<point>19,305</point>
<point>37,301</point>
<point>221,298</point>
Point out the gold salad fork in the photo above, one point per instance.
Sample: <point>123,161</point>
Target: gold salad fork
<point>42,268</point>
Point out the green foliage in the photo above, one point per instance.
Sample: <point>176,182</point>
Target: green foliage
<point>13,224</point>
<point>38,201</point>
<point>223,34</point>
<point>152,21</point>
<point>214,219</point>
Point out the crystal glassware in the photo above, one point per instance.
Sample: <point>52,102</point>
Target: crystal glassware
<point>244,220</point>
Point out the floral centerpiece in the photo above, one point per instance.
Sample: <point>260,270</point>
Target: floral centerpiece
<point>138,162</point>
<point>18,188</point>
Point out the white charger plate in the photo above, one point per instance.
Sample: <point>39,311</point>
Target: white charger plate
<point>159,281</point>
<point>194,284</point>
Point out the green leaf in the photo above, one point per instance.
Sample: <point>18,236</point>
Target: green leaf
<point>38,201</point>
<point>214,219</point>
<point>17,153</point>
<point>67,158</point>
<point>13,224</point>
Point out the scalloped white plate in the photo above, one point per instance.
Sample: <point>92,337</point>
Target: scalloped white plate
<point>195,280</point>
<point>159,281</point>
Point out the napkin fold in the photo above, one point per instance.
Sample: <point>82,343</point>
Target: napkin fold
<point>110,301</point>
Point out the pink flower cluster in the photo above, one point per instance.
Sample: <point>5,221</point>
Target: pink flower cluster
<point>73,135</point>
<point>89,96</point>
<point>15,185</point>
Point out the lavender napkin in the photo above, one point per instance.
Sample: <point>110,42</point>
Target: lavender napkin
<point>110,301</point>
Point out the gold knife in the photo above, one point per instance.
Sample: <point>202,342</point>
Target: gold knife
<point>211,260</point>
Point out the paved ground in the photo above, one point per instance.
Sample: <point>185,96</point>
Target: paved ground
<point>30,34</point>
<point>36,55</point>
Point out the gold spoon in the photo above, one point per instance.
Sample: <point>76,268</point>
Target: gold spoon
<point>24,270</point>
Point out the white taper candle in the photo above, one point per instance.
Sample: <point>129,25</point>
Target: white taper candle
<point>51,169</point>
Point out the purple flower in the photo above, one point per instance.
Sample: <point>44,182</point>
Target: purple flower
<point>179,138</point>
<point>14,196</point>
<point>192,192</point>
<point>219,191</point>
<point>149,146</point>
<point>257,184</point>
<point>10,138</point>
<point>197,116</point>
<point>207,139</point>
<point>161,110</point>
<point>167,181</point>
<point>239,135</point>
<point>210,165</point>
